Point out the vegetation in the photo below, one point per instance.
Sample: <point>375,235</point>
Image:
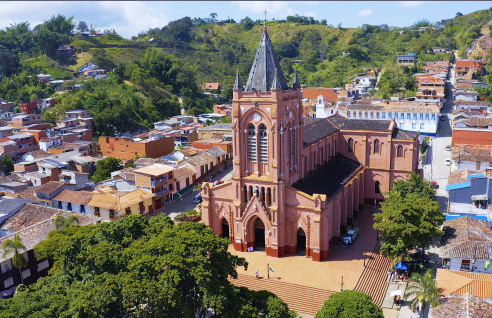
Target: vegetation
<point>104,167</point>
<point>349,304</point>
<point>409,218</point>
<point>140,268</point>
<point>7,164</point>
<point>16,247</point>
<point>63,223</point>
<point>422,289</point>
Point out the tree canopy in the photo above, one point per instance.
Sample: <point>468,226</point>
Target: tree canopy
<point>140,268</point>
<point>104,167</point>
<point>349,304</point>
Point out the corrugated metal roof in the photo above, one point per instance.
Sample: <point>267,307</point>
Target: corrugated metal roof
<point>456,186</point>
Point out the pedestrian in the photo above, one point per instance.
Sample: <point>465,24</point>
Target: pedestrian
<point>210,178</point>
<point>395,301</point>
<point>399,301</point>
<point>418,309</point>
<point>257,274</point>
<point>268,271</point>
<point>393,278</point>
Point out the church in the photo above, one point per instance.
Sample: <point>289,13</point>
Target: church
<point>298,181</point>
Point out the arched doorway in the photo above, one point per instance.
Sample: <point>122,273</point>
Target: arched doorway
<point>225,228</point>
<point>301,242</point>
<point>259,235</point>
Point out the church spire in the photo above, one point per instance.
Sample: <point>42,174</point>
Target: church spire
<point>295,80</point>
<point>276,82</point>
<point>262,73</point>
<point>238,85</point>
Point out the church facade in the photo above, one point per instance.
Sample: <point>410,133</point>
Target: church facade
<point>297,181</point>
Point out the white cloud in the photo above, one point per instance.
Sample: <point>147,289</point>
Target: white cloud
<point>275,9</point>
<point>127,17</point>
<point>366,13</point>
<point>407,4</point>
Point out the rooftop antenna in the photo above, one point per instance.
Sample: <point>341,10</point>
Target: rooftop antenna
<point>264,25</point>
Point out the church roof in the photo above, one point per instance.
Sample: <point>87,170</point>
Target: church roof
<point>343,123</point>
<point>335,173</point>
<point>316,129</point>
<point>262,73</point>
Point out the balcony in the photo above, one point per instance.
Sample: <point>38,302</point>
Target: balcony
<point>158,182</point>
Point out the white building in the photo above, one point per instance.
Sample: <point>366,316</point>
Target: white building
<point>416,117</point>
<point>466,95</point>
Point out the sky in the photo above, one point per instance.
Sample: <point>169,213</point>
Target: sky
<point>132,17</point>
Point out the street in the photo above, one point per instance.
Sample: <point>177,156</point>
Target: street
<point>186,202</point>
<point>435,168</point>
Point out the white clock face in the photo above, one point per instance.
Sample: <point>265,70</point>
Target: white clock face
<point>256,117</point>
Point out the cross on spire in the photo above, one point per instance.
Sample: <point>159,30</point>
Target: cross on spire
<point>264,25</point>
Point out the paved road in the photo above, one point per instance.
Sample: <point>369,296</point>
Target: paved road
<point>186,202</point>
<point>435,169</point>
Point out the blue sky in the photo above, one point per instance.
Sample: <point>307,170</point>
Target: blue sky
<point>131,17</point>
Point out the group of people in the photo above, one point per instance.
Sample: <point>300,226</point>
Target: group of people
<point>397,300</point>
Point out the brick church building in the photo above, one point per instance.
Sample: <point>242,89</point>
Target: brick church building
<point>297,181</point>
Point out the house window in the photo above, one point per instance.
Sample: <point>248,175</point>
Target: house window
<point>376,146</point>
<point>433,116</point>
<point>69,206</point>
<point>360,114</point>
<point>251,143</point>
<point>348,114</point>
<point>351,145</point>
<point>402,116</point>
<point>414,117</point>
<point>26,273</point>
<point>421,126</point>
<point>399,151</point>
<point>465,265</point>
<point>264,143</point>
<point>6,266</point>
<point>111,212</point>
<point>478,164</point>
<point>365,115</point>
<point>372,115</point>
<point>408,115</point>
<point>446,263</point>
<point>401,125</point>
<point>355,114</point>
<point>178,186</point>
<point>414,126</point>
<point>170,187</point>
<point>376,187</point>
<point>82,208</point>
<point>377,115</point>
<point>426,116</point>
<point>43,265</point>
<point>383,115</point>
<point>128,211</point>
<point>421,116</point>
<point>8,282</point>
<point>97,212</point>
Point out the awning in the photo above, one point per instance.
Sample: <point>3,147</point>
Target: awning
<point>480,197</point>
<point>401,266</point>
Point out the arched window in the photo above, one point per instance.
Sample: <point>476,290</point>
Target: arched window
<point>376,187</point>
<point>376,146</point>
<point>292,145</point>
<point>269,196</point>
<point>351,145</point>
<point>245,189</point>
<point>251,143</point>
<point>314,159</point>
<point>305,164</point>
<point>263,143</point>
<point>399,151</point>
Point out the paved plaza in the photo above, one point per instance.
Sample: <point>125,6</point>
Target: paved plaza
<point>347,262</point>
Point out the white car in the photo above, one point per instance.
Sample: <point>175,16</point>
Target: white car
<point>448,162</point>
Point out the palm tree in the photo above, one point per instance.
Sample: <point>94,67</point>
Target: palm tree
<point>16,247</point>
<point>422,288</point>
<point>63,223</point>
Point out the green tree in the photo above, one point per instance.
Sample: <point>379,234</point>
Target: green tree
<point>422,289</point>
<point>82,26</point>
<point>16,247</point>
<point>63,223</point>
<point>129,263</point>
<point>349,304</point>
<point>104,167</point>
<point>407,222</point>
<point>414,184</point>
<point>213,16</point>
<point>7,164</point>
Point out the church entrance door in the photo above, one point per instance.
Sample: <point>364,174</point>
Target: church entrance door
<point>301,242</point>
<point>225,228</point>
<point>259,235</point>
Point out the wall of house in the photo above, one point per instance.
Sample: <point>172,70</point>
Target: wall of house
<point>35,269</point>
<point>126,149</point>
<point>472,165</point>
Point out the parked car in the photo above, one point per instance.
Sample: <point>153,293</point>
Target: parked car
<point>352,234</point>
<point>198,198</point>
<point>218,182</point>
<point>434,184</point>
<point>448,162</point>
<point>442,117</point>
<point>448,148</point>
